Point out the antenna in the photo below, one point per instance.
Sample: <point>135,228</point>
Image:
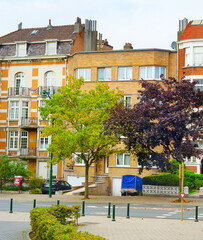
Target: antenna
<point>173,45</point>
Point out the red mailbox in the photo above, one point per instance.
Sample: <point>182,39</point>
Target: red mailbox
<point>18,181</point>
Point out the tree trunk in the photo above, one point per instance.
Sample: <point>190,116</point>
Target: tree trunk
<point>86,179</point>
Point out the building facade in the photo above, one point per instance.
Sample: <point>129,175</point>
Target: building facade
<point>33,60</point>
<point>190,66</point>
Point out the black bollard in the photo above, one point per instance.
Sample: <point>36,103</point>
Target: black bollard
<point>196,214</point>
<point>11,206</point>
<point>34,203</point>
<point>128,210</point>
<point>83,208</point>
<point>58,202</point>
<point>113,217</point>
<point>109,211</point>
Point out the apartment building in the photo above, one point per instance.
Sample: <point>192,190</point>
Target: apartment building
<point>190,66</point>
<point>37,59</point>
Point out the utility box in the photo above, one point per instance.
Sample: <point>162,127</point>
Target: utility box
<point>131,185</point>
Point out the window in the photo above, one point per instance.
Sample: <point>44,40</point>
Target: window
<point>83,72</point>
<point>24,109</point>
<point>199,85</point>
<point>44,142</point>
<point>14,109</point>
<point>198,56</point>
<point>13,140</point>
<point>24,139</point>
<point>19,84</point>
<point>51,48</point>
<point>78,161</point>
<point>21,49</point>
<point>124,73</point>
<point>127,101</point>
<point>123,160</point>
<point>187,56</point>
<point>104,74</point>
<point>152,72</point>
<point>50,79</point>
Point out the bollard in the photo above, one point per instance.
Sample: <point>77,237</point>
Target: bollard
<point>128,210</point>
<point>196,214</point>
<point>113,216</point>
<point>109,211</point>
<point>11,206</point>
<point>34,203</point>
<point>58,202</point>
<point>83,208</point>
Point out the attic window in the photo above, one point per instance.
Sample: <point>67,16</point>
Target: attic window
<point>34,32</point>
<point>51,48</point>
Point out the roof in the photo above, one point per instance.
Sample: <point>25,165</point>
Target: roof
<point>57,32</point>
<point>194,30</point>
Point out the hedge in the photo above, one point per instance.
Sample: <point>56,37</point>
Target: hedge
<point>163,179</point>
<point>54,223</point>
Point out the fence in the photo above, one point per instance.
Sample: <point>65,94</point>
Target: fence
<point>160,190</point>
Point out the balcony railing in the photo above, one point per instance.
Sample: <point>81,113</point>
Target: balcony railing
<point>18,91</point>
<point>28,152</point>
<point>30,121</point>
<point>50,90</point>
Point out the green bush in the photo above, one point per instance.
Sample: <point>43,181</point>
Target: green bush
<point>46,224</point>
<point>35,183</point>
<point>192,180</point>
<point>35,191</point>
<point>163,179</point>
<point>13,188</point>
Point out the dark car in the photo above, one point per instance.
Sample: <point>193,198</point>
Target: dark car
<point>57,185</point>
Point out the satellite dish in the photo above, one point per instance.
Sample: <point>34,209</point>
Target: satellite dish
<point>173,45</point>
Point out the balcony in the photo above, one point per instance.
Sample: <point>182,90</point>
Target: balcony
<point>30,122</point>
<point>50,90</point>
<point>18,91</point>
<point>28,153</point>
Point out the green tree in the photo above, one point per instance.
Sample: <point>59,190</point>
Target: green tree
<point>78,123</point>
<point>9,168</point>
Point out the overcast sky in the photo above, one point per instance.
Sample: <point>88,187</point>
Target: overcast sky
<point>144,23</point>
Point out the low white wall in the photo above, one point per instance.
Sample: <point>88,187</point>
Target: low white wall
<point>160,190</point>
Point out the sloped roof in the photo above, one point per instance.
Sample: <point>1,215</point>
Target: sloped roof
<point>192,31</point>
<point>57,32</point>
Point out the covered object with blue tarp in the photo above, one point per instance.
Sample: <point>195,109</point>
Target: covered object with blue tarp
<point>131,185</point>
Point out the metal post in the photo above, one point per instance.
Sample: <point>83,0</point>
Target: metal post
<point>58,202</point>
<point>182,188</point>
<point>109,211</point>
<point>196,214</point>
<point>128,210</point>
<point>11,206</point>
<point>50,177</point>
<point>83,208</point>
<point>113,217</point>
<point>34,203</point>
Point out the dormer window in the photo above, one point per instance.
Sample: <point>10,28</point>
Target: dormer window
<point>51,48</point>
<point>21,49</point>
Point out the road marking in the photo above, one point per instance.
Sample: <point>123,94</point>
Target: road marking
<point>160,216</point>
<point>92,206</point>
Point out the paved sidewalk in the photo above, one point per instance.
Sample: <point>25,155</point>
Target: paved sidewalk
<point>142,228</point>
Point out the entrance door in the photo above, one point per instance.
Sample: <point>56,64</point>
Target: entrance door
<point>116,186</point>
<point>106,165</point>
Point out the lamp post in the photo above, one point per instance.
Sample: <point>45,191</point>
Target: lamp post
<point>44,95</point>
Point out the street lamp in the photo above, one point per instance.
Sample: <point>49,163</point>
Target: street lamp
<point>44,95</point>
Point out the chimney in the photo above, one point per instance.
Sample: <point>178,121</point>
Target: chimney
<point>127,46</point>
<point>78,26</point>
<point>20,26</point>
<point>182,25</point>
<point>90,38</point>
<point>49,26</point>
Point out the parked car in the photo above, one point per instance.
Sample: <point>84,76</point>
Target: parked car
<point>56,186</point>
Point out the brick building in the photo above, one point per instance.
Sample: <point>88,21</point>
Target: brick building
<point>37,59</point>
<point>190,65</point>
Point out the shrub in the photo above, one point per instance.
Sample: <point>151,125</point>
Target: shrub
<point>163,179</point>
<point>35,183</point>
<point>35,191</point>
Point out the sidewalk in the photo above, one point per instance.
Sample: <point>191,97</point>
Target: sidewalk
<point>121,229</point>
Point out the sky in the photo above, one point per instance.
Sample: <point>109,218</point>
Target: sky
<point>143,23</point>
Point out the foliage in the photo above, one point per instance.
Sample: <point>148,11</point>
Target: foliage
<point>192,180</point>
<point>78,123</point>
<point>173,167</point>
<point>35,191</point>
<point>10,168</point>
<point>46,224</point>
<point>168,116</point>
<point>163,179</point>
<point>35,182</point>
<point>14,188</point>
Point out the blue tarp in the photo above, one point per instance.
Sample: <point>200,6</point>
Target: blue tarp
<point>131,182</point>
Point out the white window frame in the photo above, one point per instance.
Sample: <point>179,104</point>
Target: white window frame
<point>24,137</point>
<point>126,69</point>
<point>199,85</point>
<point>125,101</point>
<point>105,74</point>
<point>14,136</point>
<point>50,79</point>
<point>198,54</point>
<point>44,139</point>
<point>75,157</point>
<point>21,49</point>
<point>187,57</point>
<point>122,165</point>
<point>79,73</point>
<point>146,71</point>
<point>15,110</point>
<point>26,109</point>
<point>51,48</point>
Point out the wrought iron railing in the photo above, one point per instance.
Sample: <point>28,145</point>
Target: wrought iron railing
<point>50,90</point>
<point>18,91</point>
<point>30,121</point>
<point>28,152</point>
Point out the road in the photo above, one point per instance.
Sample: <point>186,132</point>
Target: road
<point>136,210</point>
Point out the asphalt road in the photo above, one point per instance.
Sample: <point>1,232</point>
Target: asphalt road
<point>136,210</point>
